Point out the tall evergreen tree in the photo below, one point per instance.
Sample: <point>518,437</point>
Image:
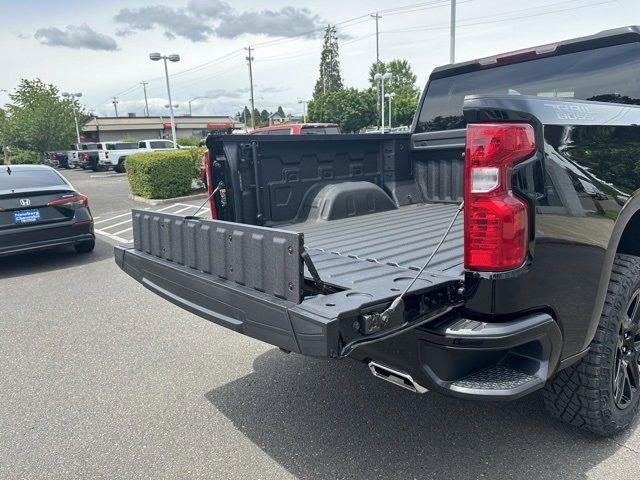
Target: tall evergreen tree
<point>330,79</point>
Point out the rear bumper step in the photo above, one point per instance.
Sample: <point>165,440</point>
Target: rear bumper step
<point>473,359</point>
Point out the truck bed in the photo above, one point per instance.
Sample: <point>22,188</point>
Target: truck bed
<point>353,250</point>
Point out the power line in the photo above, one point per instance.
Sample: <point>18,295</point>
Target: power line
<point>472,24</point>
<point>406,9</point>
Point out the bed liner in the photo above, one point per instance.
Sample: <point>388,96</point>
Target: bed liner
<point>353,250</point>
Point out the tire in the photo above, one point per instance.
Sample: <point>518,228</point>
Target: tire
<point>584,394</point>
<point>120,168</point>
<point>85,247</point>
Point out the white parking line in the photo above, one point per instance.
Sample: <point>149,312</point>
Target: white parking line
<point>128,220</point>
<point>112,218</point>
<point>113,237</point>
<point>123,231</point>
<point>167,208</point>
<point>189,207</point>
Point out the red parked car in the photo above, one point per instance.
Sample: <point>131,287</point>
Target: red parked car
<point>299,129</point>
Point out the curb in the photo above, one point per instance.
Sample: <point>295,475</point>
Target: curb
<point>164,201</point>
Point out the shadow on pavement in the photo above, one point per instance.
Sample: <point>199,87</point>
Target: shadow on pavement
<point>331,419</point>
<point>57,258</point>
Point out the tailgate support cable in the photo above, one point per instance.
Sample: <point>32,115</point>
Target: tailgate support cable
<point>215,190</point>
<point>306,258</point>
<point>398,302</point>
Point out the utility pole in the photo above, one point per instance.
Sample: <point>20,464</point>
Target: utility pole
<point>253,108</point>
<point>377,18</point>
<point>452,41</point>
<point>146,102</point>
<point>115,105</point>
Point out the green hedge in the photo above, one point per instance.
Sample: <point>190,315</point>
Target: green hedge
<point>19,157</point>
<point>163,174</point>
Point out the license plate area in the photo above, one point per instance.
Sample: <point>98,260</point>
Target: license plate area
<point>26,216</point>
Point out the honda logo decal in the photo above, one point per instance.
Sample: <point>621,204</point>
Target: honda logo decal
<point>25,202</point>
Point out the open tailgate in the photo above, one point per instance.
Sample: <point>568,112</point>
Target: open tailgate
<point>251,279</point>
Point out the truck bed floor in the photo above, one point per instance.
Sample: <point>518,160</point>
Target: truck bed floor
<point>351,250</point>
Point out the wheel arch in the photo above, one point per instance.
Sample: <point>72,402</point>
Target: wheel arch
<point>625,238</point>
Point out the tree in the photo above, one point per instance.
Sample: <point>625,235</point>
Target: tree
<point>264,117</point>
<point>350,108</point>
<point>281,112</point>
<point>330,79</point>
<point>403,84</point>
<point>403,108</point>
<point>245,115</point>
<point>402,77</point>
<point>38,119</point>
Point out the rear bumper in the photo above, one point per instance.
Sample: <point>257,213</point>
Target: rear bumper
<point>473,359</point>
<point>44,237</point>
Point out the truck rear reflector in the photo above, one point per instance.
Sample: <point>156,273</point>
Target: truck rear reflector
<point>496,223</point>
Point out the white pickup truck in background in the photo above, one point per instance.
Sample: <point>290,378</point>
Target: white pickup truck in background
<point>116,152</point>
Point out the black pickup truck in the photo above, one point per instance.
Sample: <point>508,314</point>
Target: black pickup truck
<point>352,246</point>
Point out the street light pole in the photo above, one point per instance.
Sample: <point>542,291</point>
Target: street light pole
<point>73,96</point>
<point>173,120</point>
<point>390,96</point>
<point>382,78</point>
<point>304,109</point>
<point>172,58</point>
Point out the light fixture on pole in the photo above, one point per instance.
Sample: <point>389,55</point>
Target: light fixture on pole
<point>172,58</point>
<point>175,105</point>
<point>73,96</point>
<point>194,99</point>
<point>390,96</point>
<point>379,77</point>
<point>304,109</point>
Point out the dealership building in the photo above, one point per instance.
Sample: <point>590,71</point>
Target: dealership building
<point>108,129</point>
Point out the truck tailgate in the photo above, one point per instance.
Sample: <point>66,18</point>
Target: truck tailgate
<point>252,280</point>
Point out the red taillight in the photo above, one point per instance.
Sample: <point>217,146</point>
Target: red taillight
<point>85,156</point>
<point>496,223</point>
<point>71,201</point>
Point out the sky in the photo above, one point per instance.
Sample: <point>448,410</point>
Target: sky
<point>101,49</point>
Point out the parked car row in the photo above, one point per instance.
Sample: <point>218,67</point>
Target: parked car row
<point>102,155</point>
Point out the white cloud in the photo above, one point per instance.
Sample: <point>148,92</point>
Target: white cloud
<point>73,36</point>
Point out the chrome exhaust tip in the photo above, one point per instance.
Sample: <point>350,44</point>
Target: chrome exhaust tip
<point>399,379</point>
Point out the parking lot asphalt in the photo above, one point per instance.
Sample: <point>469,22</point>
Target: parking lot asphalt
<point>100,378</point>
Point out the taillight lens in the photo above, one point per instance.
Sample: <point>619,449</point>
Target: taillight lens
<point>496,223</point>
<point>71,201</point>
<point>85,156</point>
